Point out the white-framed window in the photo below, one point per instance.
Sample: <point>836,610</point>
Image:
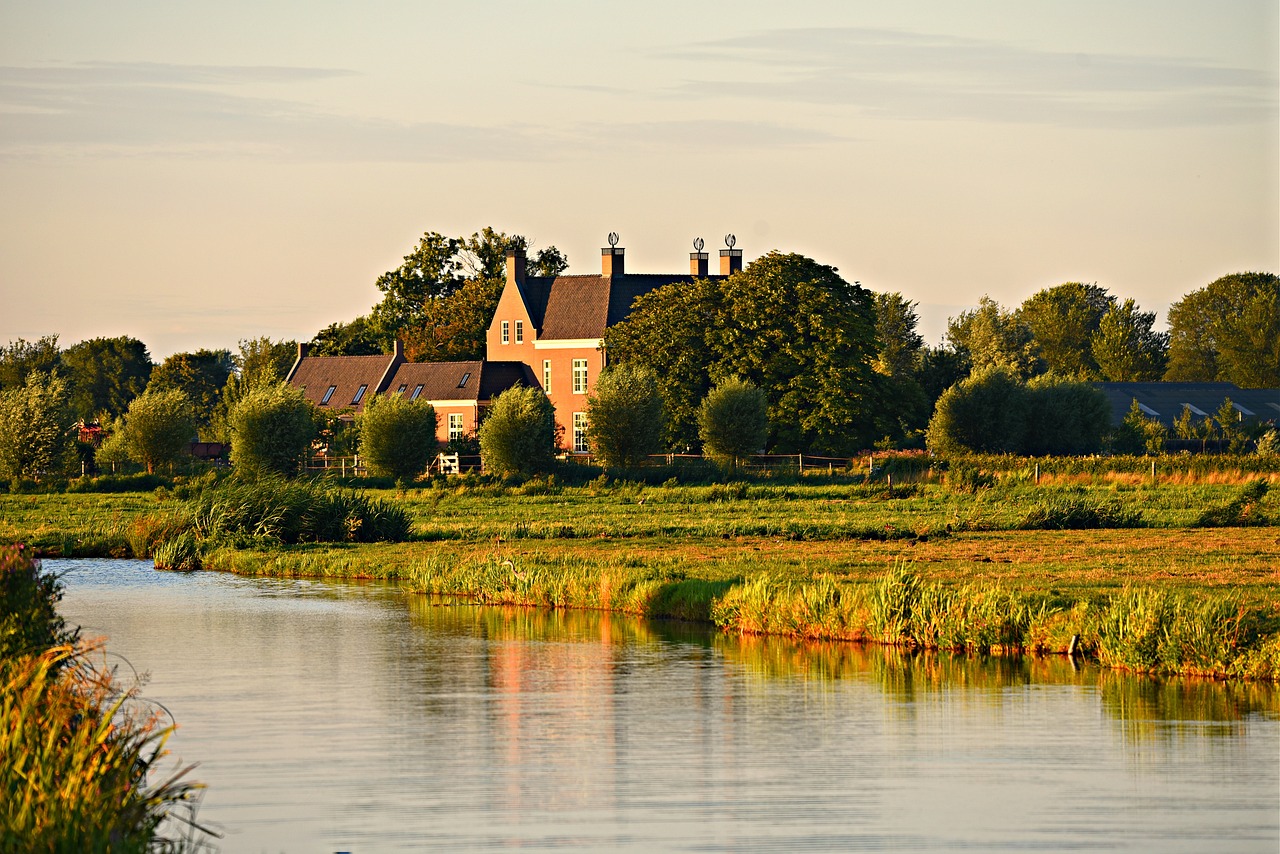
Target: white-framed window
<point>580,433</point>
<point>546,375</point>
<point>328,394</point>
<point>359,394</point>
<point>579,376</point>
<point>519,331</point>
<point>455,426</point>
<point>506,332</point>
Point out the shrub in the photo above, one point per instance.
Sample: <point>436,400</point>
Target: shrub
<point>985,412</point>
<point>29,621</point>
<point>34,429</point>
<point>398,436</point>
<point>518,435</point>
<point>1064,417</point>
<point>158,427</point>
<point>625,420</point>
<point>271,428</point>
<point>733,420</point>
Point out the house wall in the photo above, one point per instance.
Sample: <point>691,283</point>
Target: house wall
<point>563,398</point>
<point>468,409</point>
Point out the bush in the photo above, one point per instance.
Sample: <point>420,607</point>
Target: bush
<point>518,435</point>
<point>1064,417</point>
<point>35,441</point>
<point>271,429</point>
<point>985,412</point>
<point>1244,509</point>
<point>733,420</point>
<point>29,621</point>
<point>625,420</point>
<point>158,428</point>
<point>398,436</point>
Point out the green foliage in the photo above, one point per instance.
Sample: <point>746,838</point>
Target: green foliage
<point>359,337</point>
<point>1268,444</point>
<point>991,337</point>
<point>985,412</point>
<point>29,621</point>
<point>200,376</point>
<point>1126,346</point>
<point>1245,508</point>
<point>398,436</point>
<point>454,327</point>
<point>21,358</point>
<point>1139,434</point>
<point>1064,417</point>
<point>1228,331</point>
<point>1063,321</point>
<point>1077,512</point>
<point>105,374</point>
<point>625,421</point>
<point>518,434</point>
<point>271,429</point>
<point>35,423</point>
<point>733,420</point>
<point>158,427</point>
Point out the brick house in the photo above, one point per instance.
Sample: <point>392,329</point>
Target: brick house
<point>555,326</point>
<point>459,391</point>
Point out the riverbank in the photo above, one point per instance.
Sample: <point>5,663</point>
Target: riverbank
<point>1148,582</point>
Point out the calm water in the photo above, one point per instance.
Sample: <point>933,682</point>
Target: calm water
<point>329,717</point>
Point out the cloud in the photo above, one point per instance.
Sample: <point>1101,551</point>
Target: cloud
<point>915,76</point>
<point>124,109</point>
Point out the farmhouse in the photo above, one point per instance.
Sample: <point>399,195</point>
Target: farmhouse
<point>556,325</point>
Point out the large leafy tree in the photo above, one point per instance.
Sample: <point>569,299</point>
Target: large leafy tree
<point>1228,331</point>
<point>398,436</point>
<point>105,374</point>
<point>21,357</point>
<point>1126,346</point>
<point>200,376</point>
<point>993,337</point>
<point>624,416</point>
<point>900,360</point>
<point>158,427</point>
<point>1063,320</point>
<point>35,422</point>
<point>357,337</point>
<point>789,325</point>
<point>986,411</point>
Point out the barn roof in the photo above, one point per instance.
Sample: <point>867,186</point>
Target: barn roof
<point>1165,401</point>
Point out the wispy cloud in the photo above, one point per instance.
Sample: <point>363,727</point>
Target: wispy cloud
<point>915,76</point>
<point>205,111</point>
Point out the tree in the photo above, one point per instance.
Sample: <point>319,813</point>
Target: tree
<point>1064,416</point>
<point>1227,331</point>
<point>200,376</point>
<point>733,420</point>
<point>985,412</point>
<point>454,328</point>
<point>35,423</point>
<point>1139,434</point>
<point>1228,420</point>
<point>518,434</point>
<point>105,374</point>
<point>158,427</point>
<point>1063,320</point>
<point>900,357</point>
<point>21,358</point>
<point>625,421</point>
<point>357,338</point>
<point>1126,346</point>
<point>261,360</point>
<point>991,337</point>
<point>271,429</point>
<point>398,436</point>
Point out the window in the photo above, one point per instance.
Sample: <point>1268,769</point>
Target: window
<point>506,332</point>
<point>417,390</point>
<point>579,376</point>
<point>328,394</point>
<point>403,386</point>
<point>359,394</point>
<point>455,426</point>
<point>580,433</point>
<point>519,331</point>
<point>463,382</point>
<point>546,375</point>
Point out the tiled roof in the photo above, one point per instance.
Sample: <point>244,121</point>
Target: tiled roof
<point>316,374</point>
<point>439,380</point>
<point>497,377</point>
<point>585,306</point>
<point>1165,401</point>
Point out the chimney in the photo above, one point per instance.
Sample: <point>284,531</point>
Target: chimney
<point>515,266</point>
<point>730,259</point>
<point>397,349</point>
<point>302,349</point>
<point>612,260</point>
<point>698,259</point>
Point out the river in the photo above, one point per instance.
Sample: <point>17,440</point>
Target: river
<point>345,717</point>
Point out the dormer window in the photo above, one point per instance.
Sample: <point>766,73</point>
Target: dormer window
<point>359,394</point>
<point>417,390</point>
<point>463,382</point>
<point>506,332</point>
<point>328,394</point>
<point>403,386</point>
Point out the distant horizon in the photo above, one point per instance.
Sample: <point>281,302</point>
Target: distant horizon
<point>191,177</point>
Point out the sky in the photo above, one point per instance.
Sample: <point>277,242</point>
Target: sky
<point>197,174</point>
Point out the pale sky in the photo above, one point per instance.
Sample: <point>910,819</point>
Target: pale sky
<point>193,174</point>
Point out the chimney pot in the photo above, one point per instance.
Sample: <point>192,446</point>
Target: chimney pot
<point>515,266</point>
<point>698,264</point>
<point>612,261</point>
<point>730,261</point>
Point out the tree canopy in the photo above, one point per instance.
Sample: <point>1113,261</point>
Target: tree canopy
<point>1062,321</point>
<point>789,325</point>
<point>158,427</point>
<point>1126,346</point>
<point>625,421</point>
<point>398,436</point>
<point>518,434</point>
<point>200,376</point>
<point>105,375</point>
<point>21,357</point>
<point>992,337</point>
<point>271,428</point>
<point>733,420</point>
<point>34,427</point>
<point>1227,331</point>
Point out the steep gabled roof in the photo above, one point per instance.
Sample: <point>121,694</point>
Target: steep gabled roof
<point>316,374</point>
<point>570,307</point>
